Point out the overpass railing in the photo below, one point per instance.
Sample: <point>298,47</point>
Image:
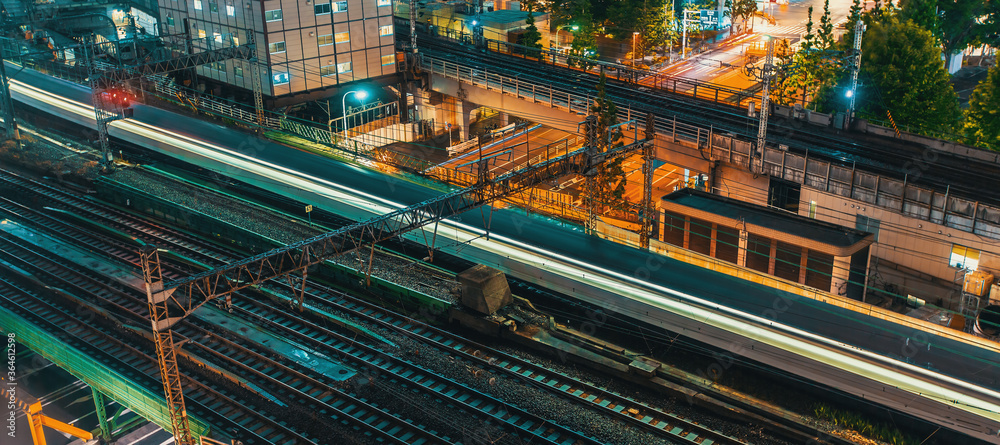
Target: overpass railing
<point>645,77</point>
<point>900,196</point>
<point>541,94</point>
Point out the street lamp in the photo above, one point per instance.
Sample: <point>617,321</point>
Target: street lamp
<point>574,28</point>
<point>635,38</point>
<point>359,95</point>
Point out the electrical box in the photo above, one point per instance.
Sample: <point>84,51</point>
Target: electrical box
<point>995,294</point>
<point>978,283</point>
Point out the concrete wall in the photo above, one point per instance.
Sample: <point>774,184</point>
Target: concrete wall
<point>738,183</point>
<point>915,244</point>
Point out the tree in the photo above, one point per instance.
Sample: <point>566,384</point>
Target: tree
<point>741,10</point>
<point>982,119</point>
<point>903,63</point>
<point>532,38</point>
<point>853,16</point>
<point>584,46</point>
<point>922,12</point>
<point>813,71</point>
<point>961,24</point>
<point>607,188</point>
<point>826,27</point>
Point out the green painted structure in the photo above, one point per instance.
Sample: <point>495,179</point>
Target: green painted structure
<point>149,404</point>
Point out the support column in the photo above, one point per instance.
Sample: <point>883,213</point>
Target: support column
<point>102,416</point>
<point>741,254</point>
<point>841,275</point>
<point>773,257</point>
<point>714,240</point>
<point>504,119</point>
<point>687,232</point>
<point>802,265</point>
<point>464,109</point>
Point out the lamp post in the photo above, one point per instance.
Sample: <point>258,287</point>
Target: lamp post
<point>359,95</point>
<point>635,38</point>
<point>574,28</point>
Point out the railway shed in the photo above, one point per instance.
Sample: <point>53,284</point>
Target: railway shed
<point>800,249</point>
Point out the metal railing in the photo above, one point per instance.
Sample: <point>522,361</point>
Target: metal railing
<point>666,82</point>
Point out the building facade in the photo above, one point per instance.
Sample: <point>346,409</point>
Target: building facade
<point>304,46</point>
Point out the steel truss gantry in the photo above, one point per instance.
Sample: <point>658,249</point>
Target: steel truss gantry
<point>170,302</point>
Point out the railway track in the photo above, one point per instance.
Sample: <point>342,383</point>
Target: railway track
<point>213,403</point>
<point>611,405</point>
<point>286,381</point>
<point>888,157</point>
<point>292,387</point>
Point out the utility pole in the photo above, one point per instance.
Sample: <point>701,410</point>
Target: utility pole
<point>8,105</point>
<point>684,39</point>
<point>765,102</point>
<point>255,76</point>
<point>103,114</point>
<point>859,30</point>
<point>590,186</point>
<point>413,26</point>
<point>648,211</point>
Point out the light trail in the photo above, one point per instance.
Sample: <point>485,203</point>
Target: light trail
<point>917,381</point>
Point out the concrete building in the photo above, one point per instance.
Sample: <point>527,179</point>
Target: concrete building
<point>455,19</point>
<point>825,256</point>
<point>306,47</point>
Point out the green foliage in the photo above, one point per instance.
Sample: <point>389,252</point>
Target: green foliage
<point>610,181</point>
<point>576,12</point>
<point>903,63</point>
<point>584,46</point>
<point>921,12</point>
<point>659,27</point>
<point>853,15</point>
<point>982,119</point>
<point>813,71</point>
<point>825,33</point>
<point>740,10</point>
<point>856,422</point>
<point>961,23</point>
<point>532,38</point>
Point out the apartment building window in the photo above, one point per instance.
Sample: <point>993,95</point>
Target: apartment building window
<point>342,37</point>
<point>964,257</point>
<point>218,37</point>
<point>197,5</point>
<point>324,40</point>
<point>170,21</point>
<point>385,30</point>
<point>388,60</point>
<point>238,70</point>
<point>276,47</point>
<point>230,10</point>
<point>866,224</point>
<point>327,71</point>
<point>213,6</point>
<point>280,78</point>
<point>201,33</point>
<point>344,67</point>
<point>322,9</point>
<point>273,15</point>
<point>384,2</point>
<point>339,6</point>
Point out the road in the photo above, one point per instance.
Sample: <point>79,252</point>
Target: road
<point>935,377</point>
<point>720,64</point>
